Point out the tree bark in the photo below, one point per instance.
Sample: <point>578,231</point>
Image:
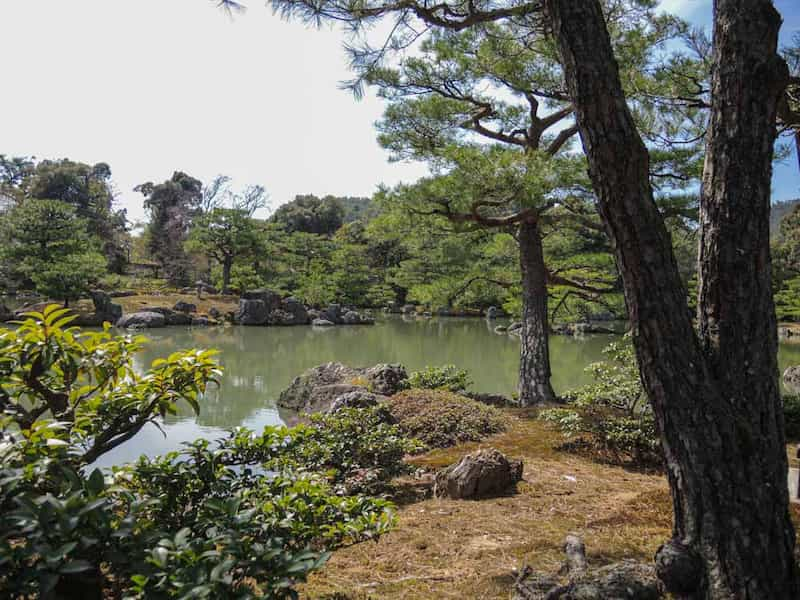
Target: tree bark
<point>534,364</point>
<point>226,274</point>
<point>714,396</point>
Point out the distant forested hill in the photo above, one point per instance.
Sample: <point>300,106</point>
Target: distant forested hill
<point>780,210</point>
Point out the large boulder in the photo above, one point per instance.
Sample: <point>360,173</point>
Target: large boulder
<point>333,313</point>
<point>171,317</point>
<point>303,394</point>
<point>271,300</point>
<point>480,474</point>
<point>142,319</point>
<point>492,312</point>
<point>409,309</point>
<point>252,312</point>
<point>317,388</point>
<point>791,379</point>
<point>386,379</point>
<point>322,323</point>
<point>105,311</point>
<point>291,312</point>
<point>184,307</point>
<point>355,399</point>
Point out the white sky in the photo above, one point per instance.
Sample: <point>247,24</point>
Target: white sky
<point>153,86</point>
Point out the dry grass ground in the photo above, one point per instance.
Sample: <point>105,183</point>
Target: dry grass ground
<point>142,301</point>
<point>470,549</point>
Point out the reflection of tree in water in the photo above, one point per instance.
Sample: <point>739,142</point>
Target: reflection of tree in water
<point>261,361</point>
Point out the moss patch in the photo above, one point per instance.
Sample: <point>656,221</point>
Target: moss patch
<point>441,419</point>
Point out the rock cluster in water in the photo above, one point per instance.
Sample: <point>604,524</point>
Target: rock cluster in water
<point>335,385</point>
<point>265,307</point>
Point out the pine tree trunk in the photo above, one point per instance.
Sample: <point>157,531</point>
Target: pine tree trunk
<point>714,396</point>
<point>534,364</point>
<point>226,274</point>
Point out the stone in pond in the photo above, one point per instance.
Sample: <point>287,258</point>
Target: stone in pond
<point>142,319</point>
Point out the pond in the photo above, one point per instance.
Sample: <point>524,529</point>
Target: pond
<point>259,362</point>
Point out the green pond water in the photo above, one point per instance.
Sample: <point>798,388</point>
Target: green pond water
<point>259,362</point>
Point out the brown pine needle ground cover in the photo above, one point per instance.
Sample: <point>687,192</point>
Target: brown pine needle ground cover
<point>141,302</point>
<point>469,549</point>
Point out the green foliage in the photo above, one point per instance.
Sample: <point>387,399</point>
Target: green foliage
<point>611,414</point>
<point>791,416</point>
<point>224,234</point>
<point>171,205</point>
<point>46,243</point>
<point>246,516</point>
<point>85,188</point>
<point>439,418</point>
<point>447,377</point>
<point>310,214</point>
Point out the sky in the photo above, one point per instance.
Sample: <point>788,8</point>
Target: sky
<point>154,86</point>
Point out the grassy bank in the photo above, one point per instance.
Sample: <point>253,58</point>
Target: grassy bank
<point>470,549</point>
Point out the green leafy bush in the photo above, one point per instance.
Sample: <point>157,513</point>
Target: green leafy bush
<point>447,377</point>
<point>439,418</point>
<point>245,516</point>
<point>611,415</point>
<point>791,416</point>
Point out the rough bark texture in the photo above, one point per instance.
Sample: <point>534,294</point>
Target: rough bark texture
<point>722,438</point>
<point>226,274</point>
<point>534,363</point>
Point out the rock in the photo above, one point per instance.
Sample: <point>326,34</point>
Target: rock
<point>386,379</point>
<point>626,580</point>
<point>501,329</point>
<point>791,379</point>
<point>492,312</point>
<point>123,293</point>
<point>171,317</point>
<point>184,307</point>
<point>355,399</point>
<point>271,300</point>
<point>252,312</point>
<point>322,323</point>
<point>393,308</point>
<point>142,319</point>
<point>299,395</point>
<point>201,322</point>
<point>313,313</point>
<point>490,399</point>
<point>352,317</point>
<point>104,306</point>
<point>5,313</point>
<point>317,388</point>
<point>214,313</point>
<point>479,474</point>
<point>292,312</point>
<point>333,313</point>
<point>409,309</point>
<point>207,288</point>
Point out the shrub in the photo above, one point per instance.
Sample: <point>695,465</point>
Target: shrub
<point>611,414</point>
<point>791,415</point>
<point>447,377</point>
<point>244,516</point>
<point>440,418</point>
